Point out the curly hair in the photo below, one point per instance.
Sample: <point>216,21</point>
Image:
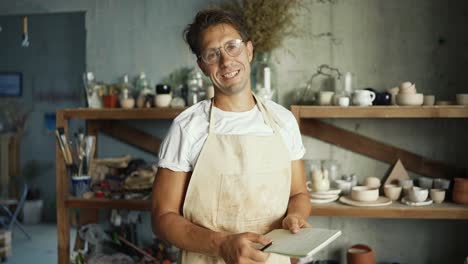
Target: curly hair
<point>212,17</point>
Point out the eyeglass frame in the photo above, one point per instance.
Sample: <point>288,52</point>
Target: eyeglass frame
<point>218,51</point>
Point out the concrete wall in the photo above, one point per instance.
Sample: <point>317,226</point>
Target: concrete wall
<point>382,42</point>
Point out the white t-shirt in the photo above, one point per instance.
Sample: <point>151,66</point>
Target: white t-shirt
<point>180,149</point>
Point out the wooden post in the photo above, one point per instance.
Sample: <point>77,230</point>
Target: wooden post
<point>63,221</point>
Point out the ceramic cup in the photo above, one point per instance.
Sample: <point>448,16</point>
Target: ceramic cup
<point>425,182</point>
<point>417,194</point>
<point>163,100</point>
<point>441,184</point>
<point>429,100</point>
<point>343,101</point>
<point>363,97</point>
<point>325,97</point>
<point>344,186</point>
<point>392,191</point>
<point>406,185</point>
<point>393,92</point>
<point>437,195</point>
<point>372,182</point>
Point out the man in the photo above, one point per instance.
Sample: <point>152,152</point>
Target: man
<point>229,168</point>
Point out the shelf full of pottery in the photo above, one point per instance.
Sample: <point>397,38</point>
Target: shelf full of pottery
<point>395,196</point>
<point>329,87</point>
<point>176,92</point>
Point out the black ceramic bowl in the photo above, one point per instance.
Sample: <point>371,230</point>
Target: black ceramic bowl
<point>163,89</point>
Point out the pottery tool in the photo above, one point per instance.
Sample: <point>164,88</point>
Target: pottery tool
<point>25,36</point>
<point>141,251</point>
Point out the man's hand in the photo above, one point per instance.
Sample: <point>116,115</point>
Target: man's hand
<point>294,223</point>
<point>238,249</point>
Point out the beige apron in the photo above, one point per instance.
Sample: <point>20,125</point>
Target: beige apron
<point>240,183</point>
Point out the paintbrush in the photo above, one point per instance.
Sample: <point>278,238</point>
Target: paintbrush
<point>62,147</point>
<point>61,132</point>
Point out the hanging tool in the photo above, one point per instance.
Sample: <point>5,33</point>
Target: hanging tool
<point>25,36</point>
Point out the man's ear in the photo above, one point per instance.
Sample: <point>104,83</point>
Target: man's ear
<point>250,49</point>
<point>202,66</point>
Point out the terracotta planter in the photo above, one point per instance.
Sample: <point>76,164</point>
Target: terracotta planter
<point>110,101</point>
<point>360,254</point>
<point>460,197</point>
<point>460,185</point>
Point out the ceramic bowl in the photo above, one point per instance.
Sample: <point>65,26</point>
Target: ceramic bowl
<point>417,194</point>
<point>462,99</point>
<point>344,186</point>
<point>460,197</point>
<point>437,195</point>
<point>409,99</point>
<point>392,191</point>
<point>364,194</point>
<point>127,103</point>
<point>162,100</point>
<point>429,100</point>
<point>372,182</point>
<point>444,103</point>
<point>460,185</point>
<point>425,182</point>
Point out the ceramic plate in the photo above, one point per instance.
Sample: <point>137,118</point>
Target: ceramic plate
<point>382,201</point>
<point>406,201</point>
<point>316,195</point>
<point>330,192</point>
<point>322,201</point>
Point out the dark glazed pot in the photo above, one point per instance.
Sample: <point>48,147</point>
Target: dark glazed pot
<point>163,89</point>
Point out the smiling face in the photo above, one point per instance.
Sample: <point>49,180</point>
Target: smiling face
<point>230,75</point>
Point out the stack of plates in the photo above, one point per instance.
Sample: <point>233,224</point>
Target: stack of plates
<point>324,196</point>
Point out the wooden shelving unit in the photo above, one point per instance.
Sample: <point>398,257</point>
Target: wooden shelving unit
<point>100,120</point>
<point>307,118</point>
<point>95,118</point>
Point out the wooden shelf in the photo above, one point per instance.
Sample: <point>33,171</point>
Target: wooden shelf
<point>449,111</point>
<point>395,210</point>
<point>97,203</point>
<point>445,210</point>
<point>121,114</point>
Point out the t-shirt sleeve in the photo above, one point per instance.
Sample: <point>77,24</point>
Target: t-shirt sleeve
<point>174,150</point>
<point>297,147</point>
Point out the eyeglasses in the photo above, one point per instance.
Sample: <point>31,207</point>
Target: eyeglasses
<point>233,48</point>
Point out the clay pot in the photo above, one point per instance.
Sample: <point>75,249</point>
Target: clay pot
<point>460,197</point>
<point>360,254</point>
<point>110,101</point>
<point>461,185</point>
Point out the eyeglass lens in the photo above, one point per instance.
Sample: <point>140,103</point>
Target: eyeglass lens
<point>233,48</point>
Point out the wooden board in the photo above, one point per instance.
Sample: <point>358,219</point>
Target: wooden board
<point>398,172</point>
<point>395,210</point>
<point>130,135</point>
<point>378,150</point>
<point>446,111</point>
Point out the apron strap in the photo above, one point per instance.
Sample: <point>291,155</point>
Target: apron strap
<point>268,116</point>
<point>211,124</point>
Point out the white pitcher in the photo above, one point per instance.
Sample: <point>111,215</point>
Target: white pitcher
<point>363,97</point>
